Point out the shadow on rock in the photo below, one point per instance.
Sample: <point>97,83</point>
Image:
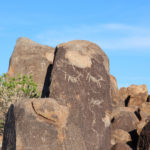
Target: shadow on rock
<point>144,138</point>
<point>9,138</point>
<point>45,91</point>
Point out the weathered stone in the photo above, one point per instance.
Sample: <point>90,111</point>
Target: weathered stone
<point>31,58</point>
<point>144,138</point>
<point>134,95</point>
<point>148,99</point>
<point>38,124</point>
<point>145,108</point>
<point>145,116</point>
<point>119,136</point>
<point>124,118</point>
<point>80,77</point>
<point>124,95</point>
<point>1,138</point>
<point>114,92</point>
<point>121,146</point>
<point>141,125</point>
<point>138,94</point>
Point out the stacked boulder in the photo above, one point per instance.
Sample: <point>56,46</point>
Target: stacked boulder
<point>76,116</point>
<point>81,107</point>
<point>31,58</point>
<point>130,114</point>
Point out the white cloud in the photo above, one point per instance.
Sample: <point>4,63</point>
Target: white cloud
<point>109,36</point>
<point>138,43</point>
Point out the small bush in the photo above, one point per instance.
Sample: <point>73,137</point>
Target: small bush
<point>14,89</point>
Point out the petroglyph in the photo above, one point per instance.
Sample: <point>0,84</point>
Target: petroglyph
<point>73,79</point>
<point>93,79</point>
<point>60,63</point>
<point>93,102</point>
<point>96,102</point>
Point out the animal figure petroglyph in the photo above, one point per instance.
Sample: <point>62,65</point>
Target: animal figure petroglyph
<point>73,79</point>
<point>90,78</point>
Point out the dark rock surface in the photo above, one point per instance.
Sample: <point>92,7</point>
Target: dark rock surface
<point>144,138</point>
<point>121,146</point>
<point>80,77</point>
<point>31,58</point>
<point>77,117</point>
<point>124,119</point>
<point>36,125</point>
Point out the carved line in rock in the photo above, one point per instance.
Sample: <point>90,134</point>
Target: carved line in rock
<point>57,117</point>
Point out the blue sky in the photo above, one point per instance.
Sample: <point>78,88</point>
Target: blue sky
<point>120,27</point>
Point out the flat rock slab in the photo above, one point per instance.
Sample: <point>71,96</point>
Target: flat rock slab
<point>80,77</point>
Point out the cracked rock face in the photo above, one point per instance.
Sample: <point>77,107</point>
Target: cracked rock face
<point>80,77</point>
<point>77,116</point>
<point>38,124</point>
<point>31,58</point>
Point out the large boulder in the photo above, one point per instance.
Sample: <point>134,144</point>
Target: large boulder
<point>124,118</point>
<point>134,95</point>
<point>80,77</point>
<point>31,58</point>
<point>38,124</point>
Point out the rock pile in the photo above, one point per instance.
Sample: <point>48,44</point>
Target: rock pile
<point>77,114</point>
<point>84,109</point>
<point>130,114</point>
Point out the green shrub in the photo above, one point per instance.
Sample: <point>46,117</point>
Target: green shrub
<point>14,89</point>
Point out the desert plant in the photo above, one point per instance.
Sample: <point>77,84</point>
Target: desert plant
<point>12,90</point>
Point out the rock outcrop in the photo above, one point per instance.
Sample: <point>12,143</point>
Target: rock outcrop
<point>134,95</point>
<point>77,116</point>
<point>124,119</point>
<point>80,77</point>
<point>84,110</point>
<point>31,58</point>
